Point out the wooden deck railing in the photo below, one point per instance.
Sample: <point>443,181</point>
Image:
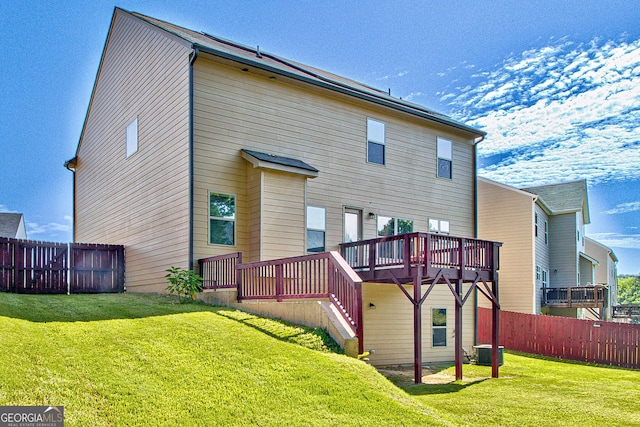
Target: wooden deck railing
<point>575,296</point>
<point>626,311</point>
<point>434,251</point>
<point>220,271</point>
<point>318,276</point>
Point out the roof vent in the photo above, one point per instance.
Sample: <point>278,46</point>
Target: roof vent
<point>258,52</point>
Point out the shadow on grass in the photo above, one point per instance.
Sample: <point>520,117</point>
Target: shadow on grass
<point>93,307</point>
<point>314,338</point>
<point>437,379</point>
<point>450,387</point>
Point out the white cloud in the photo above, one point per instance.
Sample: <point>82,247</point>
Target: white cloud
<point>559,112</point>
<point>393,76</point>
<point>624,208</point>
<point>616,240</point>
<point>51,228</point>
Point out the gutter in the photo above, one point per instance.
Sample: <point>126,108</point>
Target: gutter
<point>192,60</point>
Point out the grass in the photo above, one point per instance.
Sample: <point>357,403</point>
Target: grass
<point>147,360</point>
<point>533,391</point>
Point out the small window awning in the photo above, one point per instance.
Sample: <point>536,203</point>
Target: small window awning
<point>589,259</point>
<point>279,163</point>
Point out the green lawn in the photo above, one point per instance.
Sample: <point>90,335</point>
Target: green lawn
<point>147,360</point>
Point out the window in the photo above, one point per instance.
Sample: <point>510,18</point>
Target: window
<point>388,226</point>
<point>439,327</point>
<point>536,224</point>
<point>445,158</point>
<point>538,269</point>
<point>132,137</point>
<point>546,233</point>
<point>375,142</point>
<point>316,229</point>
<point>545,278</point>
<point>438,226</point>
<point>222,219</point>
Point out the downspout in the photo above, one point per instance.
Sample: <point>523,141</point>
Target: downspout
<point>475,229</point>
<point>192,60</point>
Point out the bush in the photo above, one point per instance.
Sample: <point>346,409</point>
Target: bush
<point>183,282</point>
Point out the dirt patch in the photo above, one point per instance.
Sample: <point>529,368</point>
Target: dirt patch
<point>404,375</point>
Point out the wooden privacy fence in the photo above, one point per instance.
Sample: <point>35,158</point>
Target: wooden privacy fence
<point>58,268</point>
<point>609,343</point>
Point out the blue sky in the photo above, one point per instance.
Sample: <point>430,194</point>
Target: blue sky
<point>556,84</point>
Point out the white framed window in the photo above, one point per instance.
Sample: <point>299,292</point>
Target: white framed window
<point>376,145</point>
<point>538,275</point>
<point>316,229</point>
<point>445,158</point>
<point>545,278</point>
<point>438,226</point>
<point>438,327</point>
<point>388,226</point>
<point>546,233</point>
<point>222,219</point>
<point>132,137</point>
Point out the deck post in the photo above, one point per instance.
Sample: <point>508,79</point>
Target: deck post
<point>458,331</point>
<point>417,327</point>
<point>496,330</point>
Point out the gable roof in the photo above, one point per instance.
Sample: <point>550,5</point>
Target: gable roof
<point>10,224</point>
<point>564,197</point>
<point>236,52</point>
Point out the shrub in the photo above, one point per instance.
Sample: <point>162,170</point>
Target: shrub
<point>184,283</point>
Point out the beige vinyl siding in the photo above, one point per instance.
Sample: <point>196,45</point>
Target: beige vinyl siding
<point>254,211</point>
<point>142,74</point>
<point>283,225</point>
<point>563,251</point>
<point>389,327</point>
<point>235,110</point>
<point>506,215</point>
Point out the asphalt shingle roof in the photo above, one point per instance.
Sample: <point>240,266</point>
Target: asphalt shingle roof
<point>280,160</point>
<point>564,197</point>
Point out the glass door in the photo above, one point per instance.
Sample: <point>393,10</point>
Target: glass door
<point>352,225</point>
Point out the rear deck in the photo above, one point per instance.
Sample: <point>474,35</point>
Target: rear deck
<point>422,260</point>
<point>575,296</point>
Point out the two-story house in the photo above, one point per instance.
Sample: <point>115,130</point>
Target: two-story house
<point>195,146</point>
<point>547,267</point>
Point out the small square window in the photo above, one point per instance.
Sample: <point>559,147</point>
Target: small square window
<point>438,226</point>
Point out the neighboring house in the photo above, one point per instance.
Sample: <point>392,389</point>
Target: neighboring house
<point>606,272</point>
<point>194,146</point>
<point>12,225</point>
<point>545,266</point>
